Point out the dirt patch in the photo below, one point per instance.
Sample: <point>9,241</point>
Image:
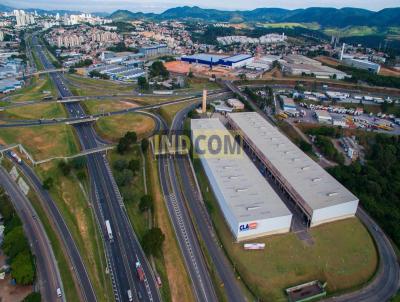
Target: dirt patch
<point>328,61</point>
<point>389,72</point>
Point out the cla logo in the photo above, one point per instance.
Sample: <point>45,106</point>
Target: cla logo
<point>248,226</point>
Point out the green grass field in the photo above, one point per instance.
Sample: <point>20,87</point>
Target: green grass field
<point>114,127</point>
<point>42,142</point>
<point>343,255</point>
<point>169,112</point>
<point>104,106</point>
<point>88,86</point>
<point>34,90</point>
<point>35,111</point>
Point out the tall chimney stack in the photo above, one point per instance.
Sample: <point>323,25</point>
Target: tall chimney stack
<point>204,104</point>
<point>341,53</point>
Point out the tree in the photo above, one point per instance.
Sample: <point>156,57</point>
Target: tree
<point>146,203</point>
<point>131,136</point>
<point>134,165</point>
<point>158,69</point>
<point>22,268</point>
<point>15,242</point>
<point>123,178</point>
<point>142,83</point>
<point>64,167</point>
<point>48,183</point>
<point>152,241</point>
<point>33,297</point>
<point>78,163</point>
<point>126,141</point>
<point>145,145</point>
<point>120,164</point>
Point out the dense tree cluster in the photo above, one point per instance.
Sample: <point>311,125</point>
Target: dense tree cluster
<point>377,182</point>
<point>158,69</point>
<point>369,77</point>
<point>126,142</point>
<point>152,241</point>
<point>83,63</point>
<point>327,148</point>
<point>96,74</point>
<point>15,245</point>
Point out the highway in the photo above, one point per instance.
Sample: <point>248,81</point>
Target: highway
<point>124,250</point>
<point>87,291</point>
<point>48,275</point>
<point>190,247</point>
<point>192,194</point>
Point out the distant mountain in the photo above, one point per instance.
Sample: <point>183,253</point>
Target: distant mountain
<point>324,16</point>
<point>126,15</point>
<point>5,8</point>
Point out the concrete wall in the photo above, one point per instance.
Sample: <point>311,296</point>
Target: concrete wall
<point>332,213</point>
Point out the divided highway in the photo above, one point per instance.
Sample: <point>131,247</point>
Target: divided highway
<point>190,247</point>
<point>123,250</point>
<point>48,275</point>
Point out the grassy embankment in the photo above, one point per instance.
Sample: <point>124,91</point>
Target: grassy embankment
<point>34,90</point>
<point>35,111</point>
<point>87,86</point>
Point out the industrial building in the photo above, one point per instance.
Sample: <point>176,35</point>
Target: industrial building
<point>323,116</point>
<point>363,64</point>
<point>235,61</point>
<point>299,65</point>
<point>288,103</point>
<point>249,204</point>
<point>320,197</point>
<point>155,50</point>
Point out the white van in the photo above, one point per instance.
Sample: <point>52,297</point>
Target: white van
<point>59,294</point>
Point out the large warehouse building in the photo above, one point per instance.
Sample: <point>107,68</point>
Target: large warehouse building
<point>249,204</point>
<point>235,61</point>
<point>316,192</point>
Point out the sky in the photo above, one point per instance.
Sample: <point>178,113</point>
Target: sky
<point>160,6</point>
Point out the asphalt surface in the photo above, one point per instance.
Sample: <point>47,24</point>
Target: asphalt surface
<point>124,250</point>
<point>192,194</point>
<point>55,216</point>
<point>48,275</point>
<point>190,247</point>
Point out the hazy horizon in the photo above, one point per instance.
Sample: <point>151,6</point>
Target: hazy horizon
<point>157,7</point>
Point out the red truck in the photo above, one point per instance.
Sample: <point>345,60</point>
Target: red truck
<point>140,271</point>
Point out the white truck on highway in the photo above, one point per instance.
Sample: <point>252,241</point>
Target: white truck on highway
<point>109,231</point>
<point>130,297</point>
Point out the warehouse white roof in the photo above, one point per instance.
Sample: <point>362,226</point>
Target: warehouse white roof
<point>205,57</point>
<point>316,186</point>
<point>246,192</point>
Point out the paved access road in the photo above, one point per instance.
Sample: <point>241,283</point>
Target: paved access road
<point>48,275</point>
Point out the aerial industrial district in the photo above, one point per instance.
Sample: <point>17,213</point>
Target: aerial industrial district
<point>284,186</point>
